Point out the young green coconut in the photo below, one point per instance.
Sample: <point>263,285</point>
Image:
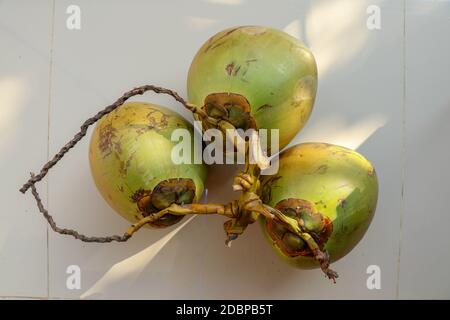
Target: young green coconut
<point>254,77</point>
<point>331,191</point>
<point>131,162</point>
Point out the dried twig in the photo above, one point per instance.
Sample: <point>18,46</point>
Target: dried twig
<point>71,232</point>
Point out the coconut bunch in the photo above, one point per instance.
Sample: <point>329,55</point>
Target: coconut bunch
<point>313,208</point>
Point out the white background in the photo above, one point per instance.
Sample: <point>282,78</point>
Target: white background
<point>384,92</point>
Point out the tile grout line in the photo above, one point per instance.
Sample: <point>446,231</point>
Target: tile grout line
<point>403,172</point>
<point>50,84</point>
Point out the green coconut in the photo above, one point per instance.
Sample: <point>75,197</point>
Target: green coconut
<point>255,71</point>
<point>323,185</point>
<point>130,156</point>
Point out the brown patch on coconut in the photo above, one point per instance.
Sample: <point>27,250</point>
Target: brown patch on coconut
<point>106,135</point>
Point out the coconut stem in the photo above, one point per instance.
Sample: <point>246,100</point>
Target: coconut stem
<point>227,210</point>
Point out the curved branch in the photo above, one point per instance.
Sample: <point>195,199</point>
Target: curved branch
<point>71,232</point>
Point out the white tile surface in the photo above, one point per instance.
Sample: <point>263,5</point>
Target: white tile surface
<point>24,79</point>
<point>425,255</point>
<point>360,104</point>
